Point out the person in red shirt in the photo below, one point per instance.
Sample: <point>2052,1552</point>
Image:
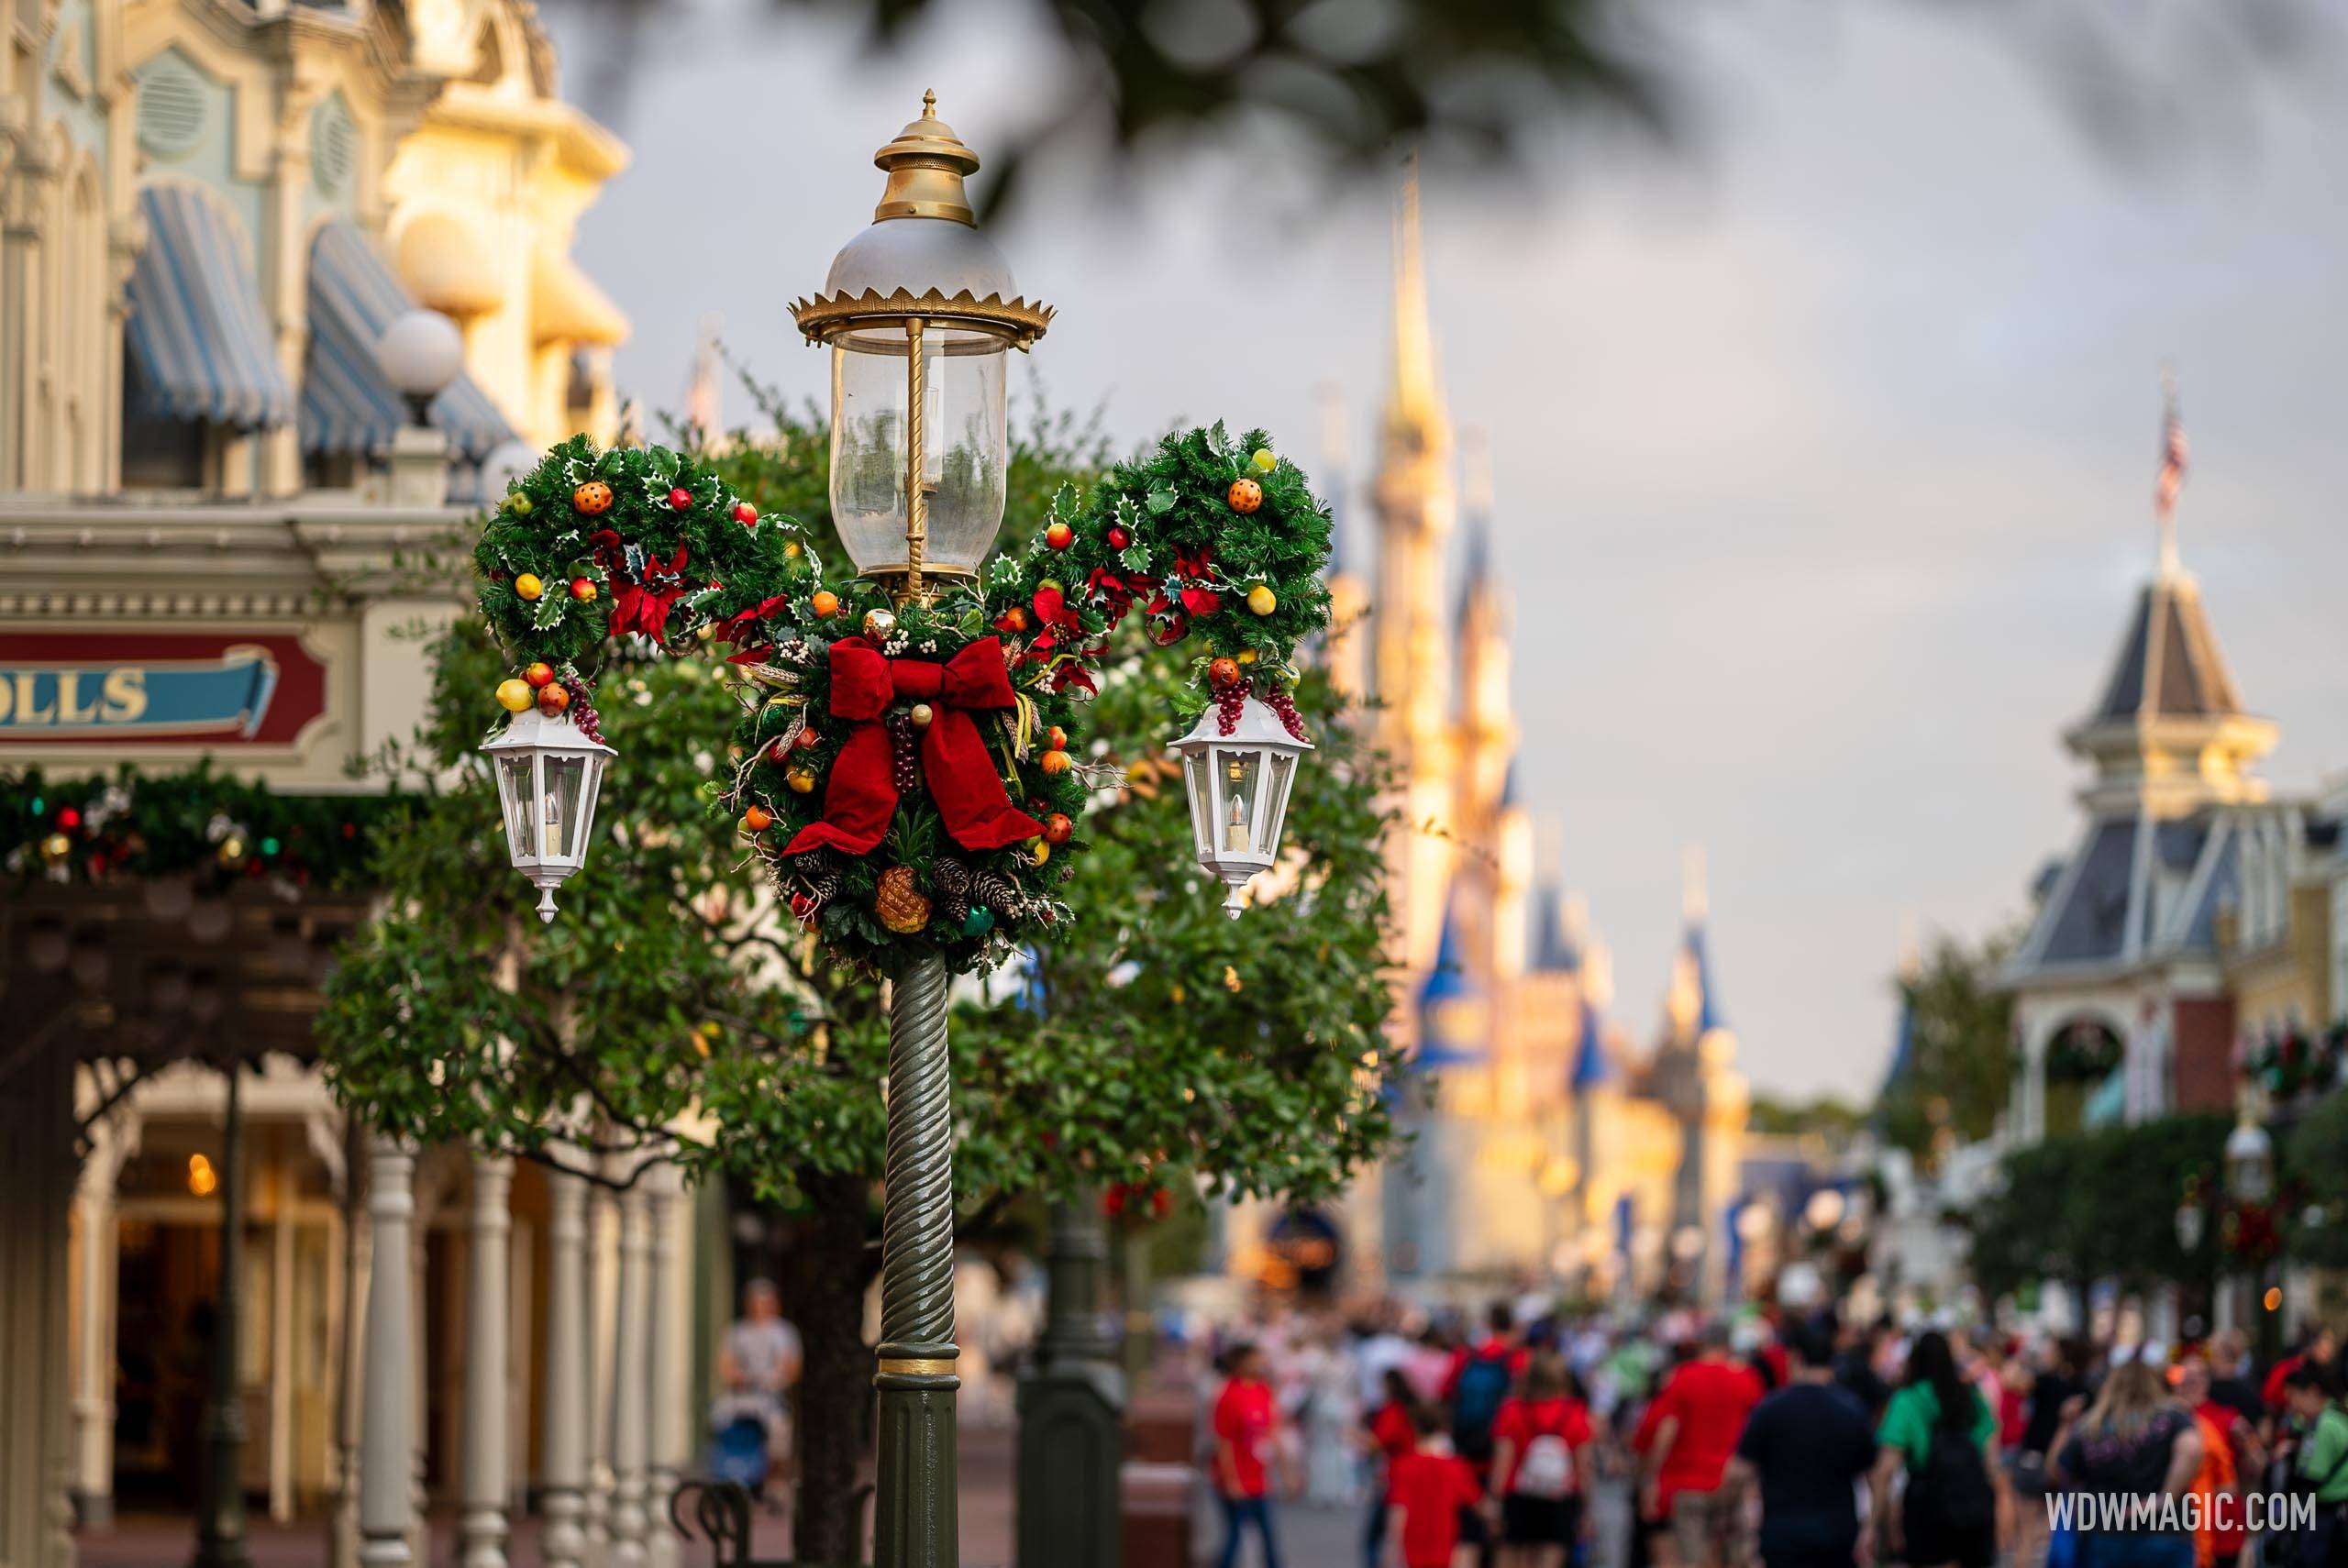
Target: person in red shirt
<point>1427,1491</point>
<point>1540,1454</point>
<point>1393,1431</point>
<point>2320,1349</point>
<point>1246,1424</point>
<point>2243,1459</point>
<point>1696,1418</point>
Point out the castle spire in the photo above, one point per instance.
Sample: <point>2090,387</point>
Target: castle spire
<point>1414,416</point>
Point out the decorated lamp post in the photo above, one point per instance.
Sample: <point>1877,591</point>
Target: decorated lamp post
<point>906,768</point>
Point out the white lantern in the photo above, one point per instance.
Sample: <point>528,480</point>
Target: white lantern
<point>1239,785</point>
<point>547,775</point>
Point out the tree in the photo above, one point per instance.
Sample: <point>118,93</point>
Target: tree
<point>1960,1047</point>
<point>1177,1045</point>
<point>1829,1116</point>
<point>2099,1205</point>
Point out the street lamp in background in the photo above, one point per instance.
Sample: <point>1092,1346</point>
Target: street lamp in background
<point>919,312</point>
<point>421,354</point>
<point>2250,1179</point>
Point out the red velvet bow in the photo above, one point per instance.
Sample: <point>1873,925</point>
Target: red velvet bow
<point>859,797</point>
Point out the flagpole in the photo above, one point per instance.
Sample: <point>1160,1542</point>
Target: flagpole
<point>2172,478</point>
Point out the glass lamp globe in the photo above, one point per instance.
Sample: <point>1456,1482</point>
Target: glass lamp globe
<point>421,353</point>
<point>1239,785</point>
<point>919,312</point>
<point>549,774</point>
<point>2250,1162</point>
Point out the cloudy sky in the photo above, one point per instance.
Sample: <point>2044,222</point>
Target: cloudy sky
<point>1823,445</point>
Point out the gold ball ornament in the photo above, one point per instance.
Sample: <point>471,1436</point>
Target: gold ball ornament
<point>921,715</point>
<point>56,847</point>
<point>514,695</point>
<point>1245,495</point>
<point>1264,461</point>
<point>1262,600</point>
<point>879,623</point>
<point>528,586</point>
<point>801,779</point>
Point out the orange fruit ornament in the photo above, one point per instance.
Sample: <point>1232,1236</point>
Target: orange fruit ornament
<point>1057,829</point>
<point>825,604</point>
<point>1245,495</point>
<point>1223,672</point>
<point>591,498</point>
<point>528,586</point>
<point>757,819</point>
<point>553,699</point>
<point>1058,762</point>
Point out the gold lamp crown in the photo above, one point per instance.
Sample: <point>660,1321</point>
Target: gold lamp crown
<point>925,166</point>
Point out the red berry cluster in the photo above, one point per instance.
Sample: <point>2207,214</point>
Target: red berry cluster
<point>1230,703</point>
<point>583,709</point>
<point>904,763</point>
<point>1280,703</point>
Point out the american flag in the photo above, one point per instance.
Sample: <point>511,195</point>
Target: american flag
<point>2173,456</point>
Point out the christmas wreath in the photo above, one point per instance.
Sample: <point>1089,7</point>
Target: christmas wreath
<point>2296,1061</point>
<point>910,774</point>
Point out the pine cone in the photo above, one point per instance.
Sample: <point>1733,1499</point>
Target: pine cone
<point>998,893</point>
<point>953,880</point>
<point>899,904</point>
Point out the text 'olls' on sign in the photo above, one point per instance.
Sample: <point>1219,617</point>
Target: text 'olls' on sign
<point>208,689</point>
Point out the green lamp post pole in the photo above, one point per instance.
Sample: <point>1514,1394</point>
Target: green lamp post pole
<point>1072,1408</point>
<point>919,312</point>
<point>220,1517</point>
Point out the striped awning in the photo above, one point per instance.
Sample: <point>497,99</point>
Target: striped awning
<point>196,325</point>
<point>347,404</point>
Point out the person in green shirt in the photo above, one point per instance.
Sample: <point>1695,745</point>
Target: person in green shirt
<point>2320,1430</point>
<point>1952,1512</point>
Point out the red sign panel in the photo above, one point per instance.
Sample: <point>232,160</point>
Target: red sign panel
<point>209,688</point>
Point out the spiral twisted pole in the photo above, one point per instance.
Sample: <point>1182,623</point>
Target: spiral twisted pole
<point>915,1522</point>
<point>918,1227</point>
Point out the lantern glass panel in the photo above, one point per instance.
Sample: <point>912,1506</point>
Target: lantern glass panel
<point>558,820</point>
<point>1198,774</point>
<point>1236,815</point>
<point>1282,774</point>
<point>964,445</point>
<point>518,791</point>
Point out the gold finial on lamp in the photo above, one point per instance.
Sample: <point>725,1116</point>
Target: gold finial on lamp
<point>926,165</point>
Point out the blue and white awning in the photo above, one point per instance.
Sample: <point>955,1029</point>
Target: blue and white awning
<point>197,327</point>
<point>347,404</point>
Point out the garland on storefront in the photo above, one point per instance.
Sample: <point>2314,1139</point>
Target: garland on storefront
<point>2296,1062</point>
<point>199,823</point>
<point>910,775</point>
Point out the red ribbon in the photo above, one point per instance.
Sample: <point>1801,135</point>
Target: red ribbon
<point>859,797</point>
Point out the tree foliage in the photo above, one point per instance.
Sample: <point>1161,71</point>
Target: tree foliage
<point>2100,1205</point>
<point>1960,1047</point>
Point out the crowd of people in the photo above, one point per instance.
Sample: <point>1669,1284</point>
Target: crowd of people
<point>1786,1440</point>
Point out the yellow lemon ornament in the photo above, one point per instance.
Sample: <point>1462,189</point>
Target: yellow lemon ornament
<point>528,586</point>
<point>514,695</point>
<point>1262,600</point>
<point>1264,461</point>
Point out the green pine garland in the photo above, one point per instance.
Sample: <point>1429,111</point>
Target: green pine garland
<point>647,542</point>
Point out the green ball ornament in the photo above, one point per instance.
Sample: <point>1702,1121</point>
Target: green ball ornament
<point>979,922</point>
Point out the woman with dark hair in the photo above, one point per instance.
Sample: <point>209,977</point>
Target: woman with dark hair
<point>1391,1431</point>
<point>1939,1429</point>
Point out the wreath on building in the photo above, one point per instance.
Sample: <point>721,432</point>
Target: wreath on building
<point>2296,1062</point>
<point>911,775</point>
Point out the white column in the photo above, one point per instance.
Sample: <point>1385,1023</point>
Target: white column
<point>602,1296</point>
<point>563,1442</point>
<point>670,1324</point>
<point>356,1259</point>
<point>486,1326</point>
<point>629,1385</point>
<point>97,1258</point>
<point>387,1434</point>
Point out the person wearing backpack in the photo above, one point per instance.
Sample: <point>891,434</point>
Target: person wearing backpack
<point>1540,1454</point>
<point>1939,1429</point>
<point>1478,1382</point>
<point>1805,1448</point>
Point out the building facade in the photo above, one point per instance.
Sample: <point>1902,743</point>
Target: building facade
<point>211,498</point>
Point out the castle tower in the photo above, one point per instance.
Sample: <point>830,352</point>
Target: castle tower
<point>1415,504</point>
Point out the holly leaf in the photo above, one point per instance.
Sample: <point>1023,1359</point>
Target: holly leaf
<point>1161,502</point>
